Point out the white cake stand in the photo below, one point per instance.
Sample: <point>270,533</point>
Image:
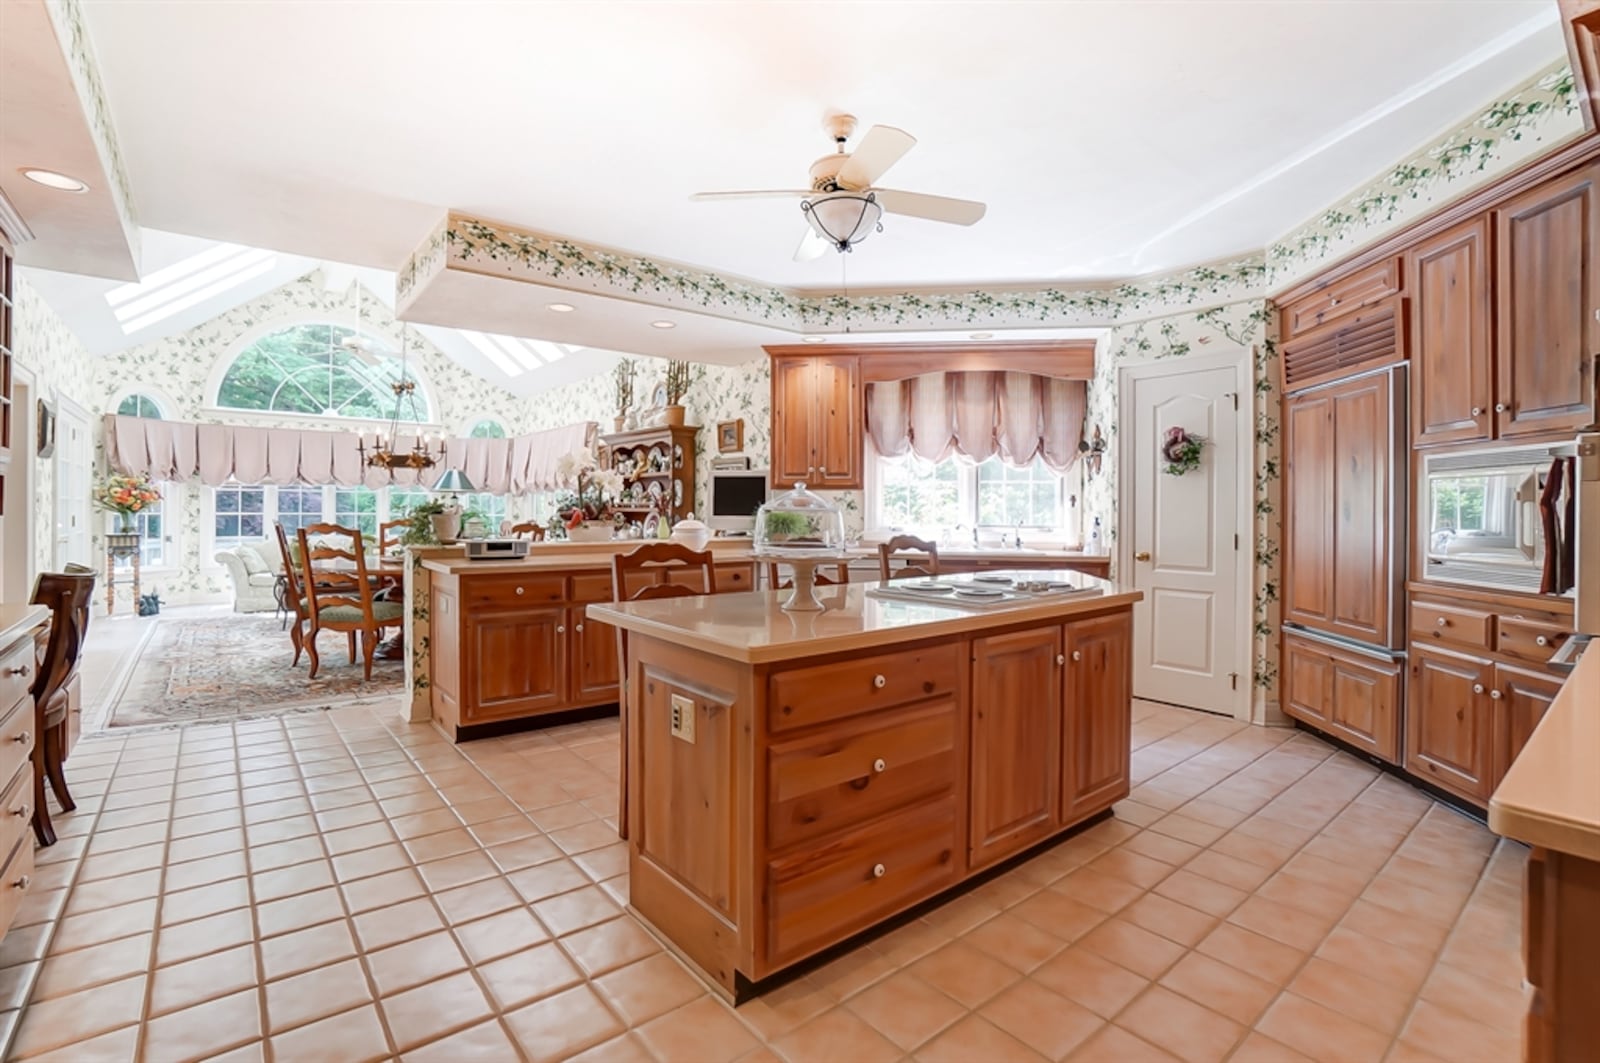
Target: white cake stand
<point>804,562</point>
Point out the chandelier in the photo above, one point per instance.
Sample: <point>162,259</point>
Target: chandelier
<point>385,451</point>
<point>844,218</point>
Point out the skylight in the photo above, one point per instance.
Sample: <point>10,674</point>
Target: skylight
<point>186,283</point>
<point>513,355</point>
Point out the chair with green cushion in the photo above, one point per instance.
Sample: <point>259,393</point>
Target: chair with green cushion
<point>338,590</point>
<point>294,599</point>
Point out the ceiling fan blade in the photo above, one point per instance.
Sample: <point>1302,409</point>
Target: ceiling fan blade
<point>934,208</point>
<point>811,246</point>
<point>880,149</point>
<point>701,197</point>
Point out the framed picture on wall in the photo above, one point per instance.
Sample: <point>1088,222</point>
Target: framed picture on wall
<point>730,436</point>
<point>45,415</point>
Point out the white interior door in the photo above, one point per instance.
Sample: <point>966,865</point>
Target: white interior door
<point>17,524</point>
<point>1184,539</point>
<point>73,458</point>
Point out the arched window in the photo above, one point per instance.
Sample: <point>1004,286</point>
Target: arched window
<point>137,405</point>
<point>488,428</point>
<point>319,369</point>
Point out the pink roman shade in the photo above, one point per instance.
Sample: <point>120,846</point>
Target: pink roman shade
<point>1018,416</point>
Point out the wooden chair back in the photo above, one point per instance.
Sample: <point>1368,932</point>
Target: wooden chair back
<point>658,562</point>
<point>335,574</point>
<point>530,529</point>
<point>841,574</point>
<point>294,593</point>
<point>918,557</point>
<point>67,595</point>
<point>385,540</point>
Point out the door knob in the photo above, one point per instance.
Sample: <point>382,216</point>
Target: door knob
<point>1477,411</point>
<point>1142,555</point>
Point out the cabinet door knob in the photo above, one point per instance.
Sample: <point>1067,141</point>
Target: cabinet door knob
<point>1499,407</point>
<point>1142,555</point>
<point>1443,621</point>
<point>878,870</point>
<point>22,738</point>
<point>21,811</point>
<point>1333,302</point>
<point>20,669</point>
<point>578,627</point>
<point>878,765</point>
<point>561,629</point>
<point>1477,688</point>
<point>1077,655</point>
<point>879,681</point>
<point>1061,658</point>
<point>1477,411</point>
<point>1541,640</point>
<point>1496,695</point>
<point>519,590</point>
<point>21,883</point>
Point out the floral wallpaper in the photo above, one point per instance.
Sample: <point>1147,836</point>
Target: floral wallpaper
<point>1247,326</point>
<point>62,368</point>
<point>1530,119</point>
<point>176,370</point>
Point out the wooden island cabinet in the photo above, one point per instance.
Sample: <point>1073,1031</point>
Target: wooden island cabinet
<point>795,779</point>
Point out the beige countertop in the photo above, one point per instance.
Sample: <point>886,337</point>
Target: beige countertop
<point>18,620</point>
<point>1551,795</point>
<point>754,629</point>
<point>544,557</point>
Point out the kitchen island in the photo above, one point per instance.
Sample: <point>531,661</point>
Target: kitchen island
<point>794,779</point>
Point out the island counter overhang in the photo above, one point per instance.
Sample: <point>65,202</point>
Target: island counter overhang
<point>792,780</point>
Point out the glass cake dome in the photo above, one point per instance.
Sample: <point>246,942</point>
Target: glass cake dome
<point>799,524</point>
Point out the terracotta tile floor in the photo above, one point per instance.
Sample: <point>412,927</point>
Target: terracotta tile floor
<point>341,886</point>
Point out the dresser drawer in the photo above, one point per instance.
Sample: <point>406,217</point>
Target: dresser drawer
<point>504,591</point>
<point>17,738</point>
<point>14,882</point>
<point>1344,296</point>
<point>833,890</point>
<point>16,811</point>
<point>808,696</point>
<point>1442,624</point>
<point>17,667</point>
<point>820,785</point>
<point>1530,639</point>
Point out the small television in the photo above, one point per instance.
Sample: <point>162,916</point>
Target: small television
<point>736,494</point>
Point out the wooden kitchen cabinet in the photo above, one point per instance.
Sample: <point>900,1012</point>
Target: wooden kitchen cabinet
<point>515,664</point>
<point>1448,278</point>
<point>1096,732</point>
<point>1345,478</point>
<point>817,421</point>
<point>1548,294</point>
<point>1524,697</point>
<point>1450,723</point>
<point>1353,696</point>
<point>1016,733</point>
<point>8,313</point>
<point>1342,296</point>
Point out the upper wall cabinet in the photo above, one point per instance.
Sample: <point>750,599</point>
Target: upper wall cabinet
<point>1342,296</point>
<point>7,320</point>
<point>1548,298</point>
<point>1451,331</point>
<point>817,421</point>
<point>1581,21</point>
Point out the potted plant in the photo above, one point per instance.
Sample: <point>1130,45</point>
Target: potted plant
<point>126,496</point>
<point>587,508</point>
<point>622,381</point>
<point>677,385</point>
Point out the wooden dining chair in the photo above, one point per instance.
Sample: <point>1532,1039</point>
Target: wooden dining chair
<point>68,596</point>
<point>339,591</point>
<point>386,541</point>
<point>917,557</point>
<point>841,574</point>
<point>644,573</point>
<point>294,597</point>
<point>531,529</point>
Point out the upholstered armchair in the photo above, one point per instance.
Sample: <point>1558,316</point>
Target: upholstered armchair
<point>254,568</point>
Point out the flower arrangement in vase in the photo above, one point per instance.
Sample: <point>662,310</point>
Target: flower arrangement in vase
<point>587,508</point>
<point>127,497</point>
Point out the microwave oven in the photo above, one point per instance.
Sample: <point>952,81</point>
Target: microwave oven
<point>1480,516</point>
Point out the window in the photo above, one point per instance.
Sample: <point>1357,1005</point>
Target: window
<point>152,528</point>
<point>240,515</point>
<point>946,500</point>
<point>488,428</point>
<point>402,500</point>
<point>1458,504</point>
<point>356,507</point>
<point>298,506</point>
<point>492,508</point>
<point>137,405</point>
<point>307,369</point>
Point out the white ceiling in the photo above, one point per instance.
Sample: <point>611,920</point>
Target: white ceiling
<point>1109,139</point>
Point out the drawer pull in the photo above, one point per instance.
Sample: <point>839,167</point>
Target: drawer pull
<point>519,590</point>
<point>21,811</point>
<point>1477,688</point>
<point>21,883</point>
<point>879,681</point>
<point>561,629</point>
<point>878,765</point>
<point>1541,640</point>
<point>22,738</point>
<point>878,870</point>
<point>20,669</point>
<point>1443,621</point>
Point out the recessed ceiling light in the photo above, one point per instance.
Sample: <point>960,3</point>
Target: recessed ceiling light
<point>561,308</point>
<point>663,324</point>
<point>59,181</point>
<point>983,335</point>
<point>812,339</point>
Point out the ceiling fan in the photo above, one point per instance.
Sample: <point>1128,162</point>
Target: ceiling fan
<point>842,205</point>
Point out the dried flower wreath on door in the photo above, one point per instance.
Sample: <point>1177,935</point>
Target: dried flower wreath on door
<point>1181,451</point>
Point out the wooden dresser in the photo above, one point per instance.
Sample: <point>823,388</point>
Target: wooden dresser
<point>19,625</point>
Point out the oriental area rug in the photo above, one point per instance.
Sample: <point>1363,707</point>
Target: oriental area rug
<point>214,668</point>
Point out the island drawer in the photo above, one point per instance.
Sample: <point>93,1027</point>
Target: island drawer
<point>16,673</point>
<point>16,811</point>
<point>502,591</point>
<point>1443,623</point>
<point>819,785</point>
<point>16,741</point>
<point>805,697</point>
<point>1530,639</point>
<point>822,895</point>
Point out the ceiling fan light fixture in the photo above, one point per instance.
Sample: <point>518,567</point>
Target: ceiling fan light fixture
<point>844,219</point>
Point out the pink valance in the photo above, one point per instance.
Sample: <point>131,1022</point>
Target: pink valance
<point>1018,416</point>
<point>215,454</point>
